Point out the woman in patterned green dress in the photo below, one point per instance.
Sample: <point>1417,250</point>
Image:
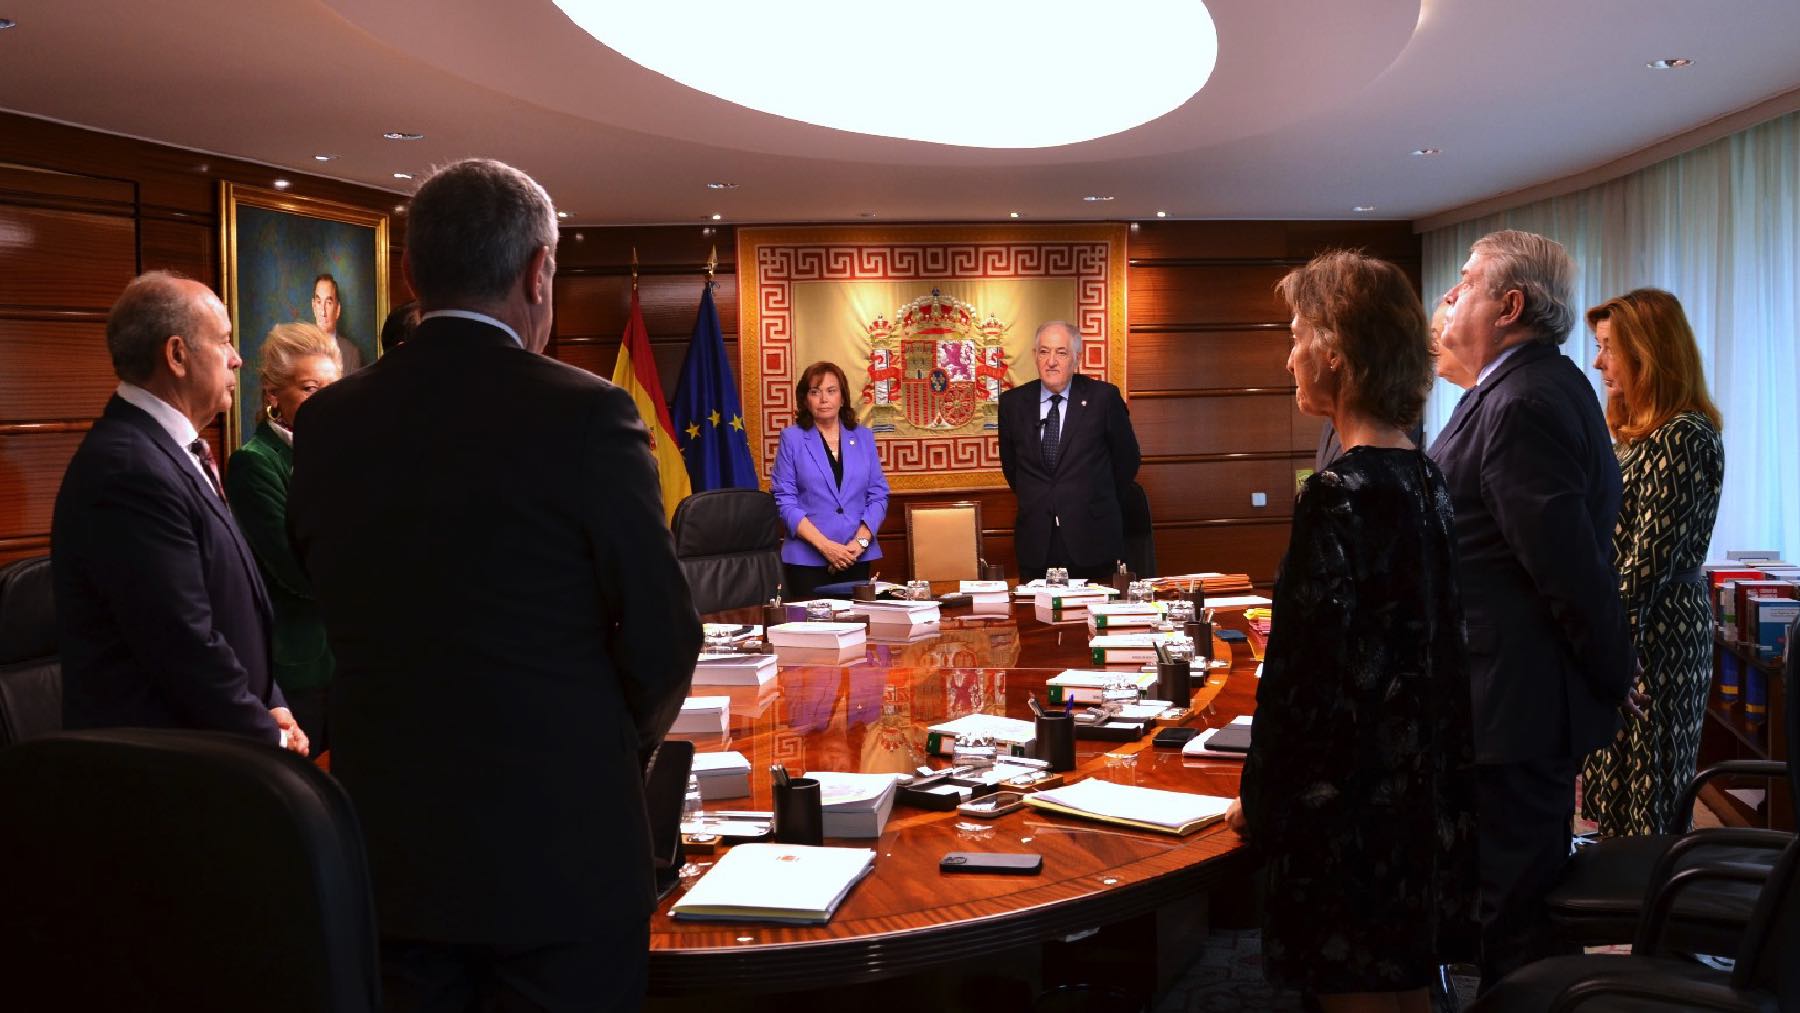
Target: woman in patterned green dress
<point>1673,464</point>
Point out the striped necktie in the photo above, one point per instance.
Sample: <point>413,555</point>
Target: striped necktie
<point>200,450</point>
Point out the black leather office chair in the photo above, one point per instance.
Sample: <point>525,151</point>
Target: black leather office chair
<point>168,870</point>
<point>729,544</point>
<point>1140,539</point>
<point>1605,891</point>
<point>1765,977</point>
<point>30,671</point>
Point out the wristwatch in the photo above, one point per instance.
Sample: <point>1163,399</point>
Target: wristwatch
<point>864,542</point>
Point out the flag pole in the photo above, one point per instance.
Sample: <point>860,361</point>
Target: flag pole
<point>634,269</point>
<point>712,264</point>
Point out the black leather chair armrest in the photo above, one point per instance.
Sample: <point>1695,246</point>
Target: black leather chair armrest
<point>1746,768</point>
<point>1661,992</point>
<point>1656,913</point>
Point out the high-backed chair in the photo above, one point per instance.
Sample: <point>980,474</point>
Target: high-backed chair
<point>151,869</point>
<point>729,544</point>
<point>1607,887</point>
<point>30,671</point>
<point>943,540</point>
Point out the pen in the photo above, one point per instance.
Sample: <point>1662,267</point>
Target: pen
<point>1031,700</point>
<point>779,775</point>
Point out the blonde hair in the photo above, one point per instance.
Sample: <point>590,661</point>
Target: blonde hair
<point>283,349</point>
<point>1650,332</point>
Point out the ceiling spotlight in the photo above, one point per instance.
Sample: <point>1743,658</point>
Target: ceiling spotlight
<point>399,135</point>
<point>1096,197</point>
<point>1012,214</point>
<point>709,230</point>
<point>402,175</point>
<point>717,217</point>
<point>1162,214</point>
<point>399,209</point>
<point>1673,63</point>
<point>562,214</point>
<point>721,186</point>
<point>1363,208</point>
<point>6,23</point>
<point>282,184</point>
<point>323,158</point>
<point>1426,152</point>
<point>865,214</point>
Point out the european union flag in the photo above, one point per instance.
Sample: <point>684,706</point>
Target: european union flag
<point>709,420</point>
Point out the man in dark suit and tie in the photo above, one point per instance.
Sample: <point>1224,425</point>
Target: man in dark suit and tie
<point>1066,448</point>
<point>484,529</point>
<point>1535,486</point>
<point>162,617</point>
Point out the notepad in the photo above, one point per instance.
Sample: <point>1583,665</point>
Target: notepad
<point>1229,742</point>
<point>1168,812</point>
<point>854,805</point>
<point>788,883</point>
<point>816,635</point>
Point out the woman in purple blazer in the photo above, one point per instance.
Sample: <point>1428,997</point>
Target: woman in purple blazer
<point>829,487</point>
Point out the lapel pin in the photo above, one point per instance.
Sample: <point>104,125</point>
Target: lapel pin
<point>1084,404</point>
<point>853,443</point>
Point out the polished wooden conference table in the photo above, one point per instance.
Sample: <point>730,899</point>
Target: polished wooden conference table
<point>871,714</point>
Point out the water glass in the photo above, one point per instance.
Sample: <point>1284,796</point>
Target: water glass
<point>1179,647</point>
<point>1140,591</point>
<point>918,590</point>
<point>819,611</point>
<point>1180,611</point>
<point>1057,576</point>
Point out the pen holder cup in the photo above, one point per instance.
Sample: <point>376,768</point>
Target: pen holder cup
<point>993,571</point>
<point>1172,683</point>
<point>774,615</point>
<point>864,591</point>
<point>798,816</point>
<point>1201,632</point>
<point>1122,579</point>
<point>1056,741</point>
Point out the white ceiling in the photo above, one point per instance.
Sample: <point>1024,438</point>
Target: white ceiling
<point>1314,107</point>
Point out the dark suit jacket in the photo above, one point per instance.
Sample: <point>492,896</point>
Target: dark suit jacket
<point>257,486</point>
<point>1535,486</point>
<point>484,530</point>
<point>161,615</point>
<point>1331,446</point>
<point>1098,453</point>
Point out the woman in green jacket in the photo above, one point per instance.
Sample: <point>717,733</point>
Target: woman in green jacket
<point>296,361</point>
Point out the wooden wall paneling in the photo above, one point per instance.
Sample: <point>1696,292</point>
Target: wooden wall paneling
<point>1295,241</point>
<point>1213,425</point>
<point>31,469</point>
<point>1209,360</point>
<point>1202,490</point>
<point>60,260</point>
<point>54,369</point>
<point>1252,547</point>
<point>597,305</point>
<point>657,246</point>
<point>592,356</point>
<point>188,244</point>
<point>1201,293</point>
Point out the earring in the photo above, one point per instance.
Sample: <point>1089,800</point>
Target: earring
<point>273,411</point>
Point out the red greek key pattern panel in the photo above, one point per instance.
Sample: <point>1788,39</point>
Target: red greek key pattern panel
<point>1095,265</point>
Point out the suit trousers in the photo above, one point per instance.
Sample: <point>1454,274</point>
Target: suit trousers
<point>609,974</point>
<point>1059,556</point>
<point>1524,811</point>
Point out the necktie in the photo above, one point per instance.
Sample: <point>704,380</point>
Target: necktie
<point>200,450</point>
<point>1053,431</point>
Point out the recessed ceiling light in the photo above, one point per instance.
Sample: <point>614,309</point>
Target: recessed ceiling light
<point>865,214</point>
<point>402,175</point>
<point>282,184</point>
<point>323,158</point>
<point>1162,214</point>
<point>400,135</point>
<point>562,214</point>
<point>721,186</point>
<point>1426,152</point>
<point>709,230</point>
<point>1363,207</point>
<point>1672,63</point>
<point>6,23</point>
<point>1097,197</point>
<point>1174,48</point>
<point>399,209</point>
<point>1012,214</point>
<point>717,217</point>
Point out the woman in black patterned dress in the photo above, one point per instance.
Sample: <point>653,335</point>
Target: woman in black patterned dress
<point>1359,788</point>
<point>1673,464</point>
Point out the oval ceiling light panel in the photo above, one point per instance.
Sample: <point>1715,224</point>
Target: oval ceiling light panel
<point>994,74</point>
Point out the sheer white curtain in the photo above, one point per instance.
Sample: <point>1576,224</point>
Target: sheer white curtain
<point>1720,228</point>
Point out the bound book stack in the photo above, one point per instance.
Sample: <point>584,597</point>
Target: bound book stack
<point>789,883</point>
<point>704,715</point>
<point>1018,738</point>
<point>1125,648</point>
<point>1124,615</point>
<point>855,805</point>
<point>1070,604</point>
<point>1080,686</point>
<point>734,669</point>
<point>986,595</point>
<point>899,615</point>
<point>826,636</point>
<point>722,775</point>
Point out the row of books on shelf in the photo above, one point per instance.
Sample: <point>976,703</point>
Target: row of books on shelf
<point>1755,597</point>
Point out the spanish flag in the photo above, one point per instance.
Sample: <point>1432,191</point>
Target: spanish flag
<point>636,372</point>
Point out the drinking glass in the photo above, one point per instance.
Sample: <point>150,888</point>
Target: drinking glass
<point>1057,576</point>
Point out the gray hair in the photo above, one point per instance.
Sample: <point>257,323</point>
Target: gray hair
<point>471,231</point>
<point>1070,329</point>
<point>1541,270</point>
<point>153,308</point>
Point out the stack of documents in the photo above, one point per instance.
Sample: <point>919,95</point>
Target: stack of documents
<point>1227,742</point>
<point>899,615</point>
<point>1211,582</point>
<point>855,805</point>
<point>984,594</point>
<point>1125,648</point>
<point>1168,812</point>
<point>1077,685</point>
<point>722,775</point>
<point>706,715</point>
<point>734,669</point>
<point>775,882</point>
<point>1110,616</point>
<point>1070,604</point>
<point>1018,738</point>
<point>830,636</point>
